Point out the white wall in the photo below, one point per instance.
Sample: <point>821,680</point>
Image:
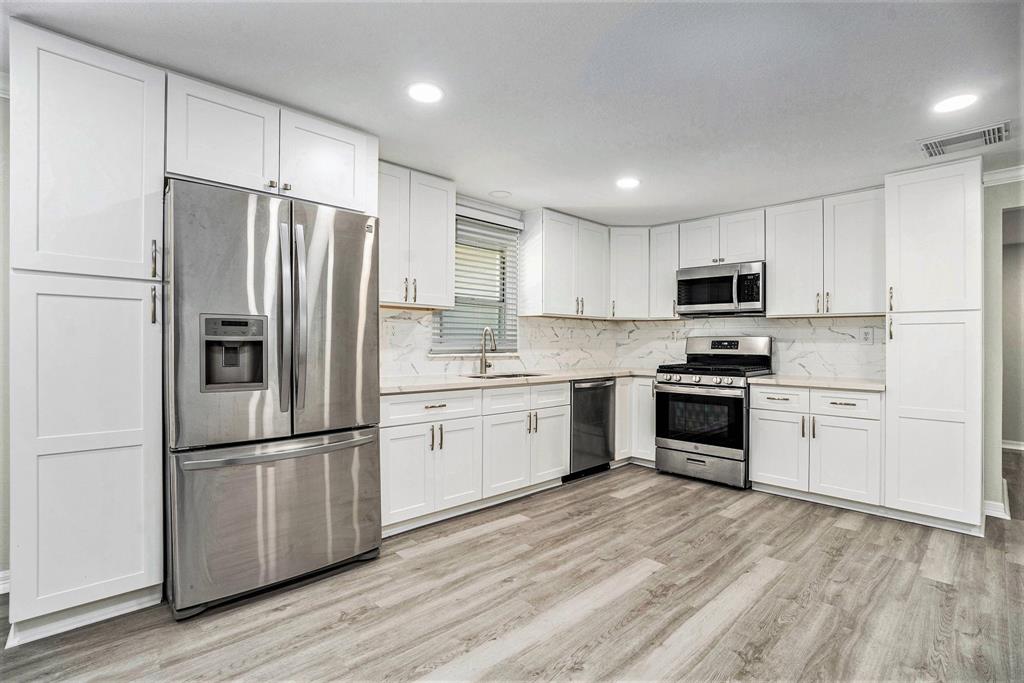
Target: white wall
<point>1013,342</point>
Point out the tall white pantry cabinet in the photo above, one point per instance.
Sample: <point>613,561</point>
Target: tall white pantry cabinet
<point>86,245</point>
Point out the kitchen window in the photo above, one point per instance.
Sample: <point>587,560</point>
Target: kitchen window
<point>486,294</point>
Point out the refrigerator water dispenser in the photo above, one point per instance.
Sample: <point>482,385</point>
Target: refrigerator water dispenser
<point>234,353</point>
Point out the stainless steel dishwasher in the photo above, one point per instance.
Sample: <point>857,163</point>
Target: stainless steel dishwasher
<point>593,424</point>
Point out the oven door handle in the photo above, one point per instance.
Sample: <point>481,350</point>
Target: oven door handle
<point>700,391</point>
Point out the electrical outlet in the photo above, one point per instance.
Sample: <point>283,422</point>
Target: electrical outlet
<point>867,335</point>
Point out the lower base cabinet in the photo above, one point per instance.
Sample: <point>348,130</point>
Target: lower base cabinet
<point>846,458</point>
<point>525,448</point>
<point>549,447</point>
<point>643,418</point>
<point>429,467</point>
<point>779,449</point>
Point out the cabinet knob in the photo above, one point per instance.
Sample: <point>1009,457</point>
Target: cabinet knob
<point>271,184</point>
<point>286,186</point>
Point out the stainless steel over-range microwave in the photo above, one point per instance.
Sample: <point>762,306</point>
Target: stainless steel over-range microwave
<point>726,289</point>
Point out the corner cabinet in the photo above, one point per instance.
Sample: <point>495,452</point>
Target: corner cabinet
<point>630,266</point>
<point>664,256</point>
<point>228,137</point>
<point>417,233</point>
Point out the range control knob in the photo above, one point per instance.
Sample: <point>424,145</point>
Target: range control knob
<point>717,380</point>
<point>677,378</point>
<point>728,380</point>
<point>696,379</point>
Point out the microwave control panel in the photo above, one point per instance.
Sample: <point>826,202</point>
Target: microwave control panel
<point>749,287</point>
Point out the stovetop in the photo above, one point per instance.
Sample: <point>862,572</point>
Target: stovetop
<point>720,370</point>
<point>724,361</point>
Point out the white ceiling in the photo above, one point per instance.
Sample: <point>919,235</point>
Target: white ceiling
<point>714,107</point>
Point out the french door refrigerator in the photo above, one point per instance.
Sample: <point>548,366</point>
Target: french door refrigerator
<point>272,391</point>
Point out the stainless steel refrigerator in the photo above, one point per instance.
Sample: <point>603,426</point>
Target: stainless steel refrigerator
<point>272,391</point>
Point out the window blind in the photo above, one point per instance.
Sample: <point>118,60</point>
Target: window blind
<point>486,289</point>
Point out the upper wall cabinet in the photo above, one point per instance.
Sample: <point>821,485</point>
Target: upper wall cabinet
<point>734,238</point>
<point>933,219</point>
<point>630,264</point>
<point>564,266</point>
<point>664,250</point>
<point>794,258</point>
<point>592,269</point>
<point>417,238</point>
<point>221,135</point>
<point>86,158</point>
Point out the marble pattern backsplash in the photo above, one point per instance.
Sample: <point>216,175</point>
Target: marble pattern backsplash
<point>827,347</point>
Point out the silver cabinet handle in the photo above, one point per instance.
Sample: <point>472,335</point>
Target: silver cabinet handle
<point>577,305</point>
<point>435,405</point>
<point>814,429</point>
<point>803,429</point>
<point>286,187</point>
<point>535,422</point>
<point>842,403</point>
<point>583,306</point>
<point>152,304</point>
<point>529,422</point>
<point>714,260</point>
<point>890,328</point>
<point>431,437</point>
<point>828,302</point>
<point>415,290</point>
<point>440,439</point>
<point>405,294</point>
<point>284,357</point>
<point>272,184</point>
<point>153,271</point>
<point>890,296</point>
<point>817,302</point>
<point>613,308</point>
<point>776,398</point>
<point>301,306</point>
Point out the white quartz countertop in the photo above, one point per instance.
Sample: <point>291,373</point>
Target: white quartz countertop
<point>847,383</point>
<point>418,383</point>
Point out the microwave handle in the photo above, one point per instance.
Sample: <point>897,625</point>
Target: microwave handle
<point>736,288</point>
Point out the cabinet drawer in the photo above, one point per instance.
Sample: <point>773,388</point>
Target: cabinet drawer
<point>404,409</point>
<point>506,400</point>
<point>846,403</point>
<point>548,395</point>
<point>790,399</point>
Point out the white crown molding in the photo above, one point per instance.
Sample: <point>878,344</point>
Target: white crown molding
<point>1013,174</point>
<point>5,85</point>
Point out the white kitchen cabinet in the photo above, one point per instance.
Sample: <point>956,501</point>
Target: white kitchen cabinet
<point>549,443</point>
<point>642,417</point>
<point>846,458</point>
<point>222,135</point>
<point>623,418</point>
<point>592,274</point>
<point>550,395</point>
<point>407,472</point>
<point>630,266</point>
<point>741,237</point>
<point>87,158</point>
<point>933,439</point>
<point>417,247</point>
<point>86,441</point>
<point>794,258</point>
<point>854,249</point>
<point>664,257</point>
<point>779,448</point>
<point>933,237</point>
<point>506,452</point>
<point>698,243</point>
<point>459,462</point>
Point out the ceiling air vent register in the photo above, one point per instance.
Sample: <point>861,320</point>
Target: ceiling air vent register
<point>965,139</point>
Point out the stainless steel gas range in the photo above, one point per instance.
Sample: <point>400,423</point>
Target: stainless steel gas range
<point>702,408</point>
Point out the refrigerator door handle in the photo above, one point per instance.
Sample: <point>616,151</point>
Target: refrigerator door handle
<point>284,360</point>
<point>300,304</point>
<point>273,457</point>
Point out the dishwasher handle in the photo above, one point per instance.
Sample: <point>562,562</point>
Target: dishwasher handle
<point>594,385</point>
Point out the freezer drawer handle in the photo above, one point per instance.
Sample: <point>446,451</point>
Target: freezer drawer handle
<point>272,457</point>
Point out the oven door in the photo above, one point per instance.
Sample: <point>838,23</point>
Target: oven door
<point>704,420</point>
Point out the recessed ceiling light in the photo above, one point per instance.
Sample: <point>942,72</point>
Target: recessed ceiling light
<point>425,92</point>
<point>954,103</point>
<point>627,183</point>
<point>500,194</point>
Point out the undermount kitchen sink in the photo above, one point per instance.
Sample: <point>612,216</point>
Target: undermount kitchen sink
<point>505,375</point>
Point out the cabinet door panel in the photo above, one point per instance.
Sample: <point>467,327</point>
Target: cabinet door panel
<point>592,270</point>
<point>630,266</point>
<point>846,458</point>
<point>393,233</point>
<point>458,467</point>
<point>221,135</point>
<point>741,237</point>
<point>933,442</point>
<point>855,253</point>
<point>432,240</point>
<point>698,243</point>
<point>623,418</point>
<point>664,259</point>
<point>779,449</point>
<point>643,418</point>
<point>87,158</point>
<point>86,441</point>
<point>327,163</point>
<point>933,237</point>
<point>560,236</point>
<point>407,476</point>
<point>793,254</point>
<point>549,447</point>
<point>506,457</point>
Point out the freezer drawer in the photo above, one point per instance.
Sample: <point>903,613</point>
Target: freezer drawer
<point>246,517</point>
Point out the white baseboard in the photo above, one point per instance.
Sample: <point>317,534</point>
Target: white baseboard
<point>914,518</point>
<point>5,581</point>
<point>1013,445</point>
<point>75,617</point>
<point>999,508</point>
<point>642,461</point>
